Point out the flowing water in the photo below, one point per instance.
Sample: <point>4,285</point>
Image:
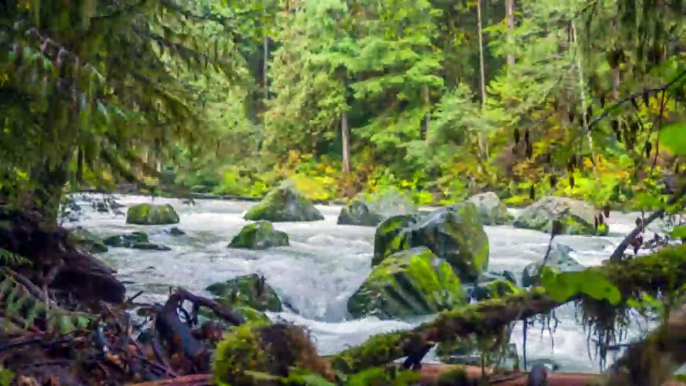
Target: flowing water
<point>323,266</point>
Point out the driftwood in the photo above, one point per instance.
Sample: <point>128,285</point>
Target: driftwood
<point>629,239</point>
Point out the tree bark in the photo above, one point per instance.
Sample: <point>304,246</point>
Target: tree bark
<point>482,141</point>
<point>582,90</point>
<point>427,116</point>
<point>345,139</point>
<point>509,4</point>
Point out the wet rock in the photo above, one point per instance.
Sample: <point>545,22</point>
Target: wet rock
<point>259,235</point>
<point>550,364</point>
<point>408,283</point>
<point>492,211</point>
<point>247,290</point>
<point>150,214</point>
<point>454,234</point>
<point>373,210</point>
<point>492,286</point>
<point>87,240</point>
<point>577,217</point>
<point>559,260</point>
<point>135,240</point>
<point>283,204</point>
<point>176,232</point>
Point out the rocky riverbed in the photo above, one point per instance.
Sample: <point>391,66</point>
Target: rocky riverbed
<point>321,267</point>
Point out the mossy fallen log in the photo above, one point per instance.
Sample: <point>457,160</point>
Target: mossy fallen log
<point>653,274</point>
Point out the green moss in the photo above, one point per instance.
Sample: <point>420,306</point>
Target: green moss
<point>149,214</point>
<point>250,353</point>
<point>283,204</point>
<point>259,235</point>
<point>246,290</point>
<point>408,283</point>
<point>454,377</point>
<point>237,353</point>
<point>454,234</point>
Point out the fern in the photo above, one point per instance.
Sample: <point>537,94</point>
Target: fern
<point>11,259</point>
<point>23,306</point>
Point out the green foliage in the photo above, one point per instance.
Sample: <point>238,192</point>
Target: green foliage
<point>674,137</point>
<point>6,377</point>
<point>561,286</point>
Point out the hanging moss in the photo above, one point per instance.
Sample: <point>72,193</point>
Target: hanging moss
<point>653,274</point>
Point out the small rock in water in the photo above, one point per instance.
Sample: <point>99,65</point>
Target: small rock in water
<point>176,232</point>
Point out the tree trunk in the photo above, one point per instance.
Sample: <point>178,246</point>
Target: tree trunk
<point>427,116</point>
<point>582,90</point>
<point>509,4</point>
<point>265,58</point>
<point>50,181</point>
<point>483,150</point>
<point>345,140</point>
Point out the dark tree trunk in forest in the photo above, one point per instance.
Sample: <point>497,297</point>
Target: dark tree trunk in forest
<point>49,183</point>
<point>509,4</point>
<point>345,134</point>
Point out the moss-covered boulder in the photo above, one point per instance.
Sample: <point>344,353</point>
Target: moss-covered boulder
<point>259,235</point>
<point>267,355</point>
<point>454,234</point>
<point>492,211</point>
<point>150,214</point>
<point>284,204</point>
<point>559,260</point>
<point>408,283</point>
<point>135,240</point>
<point>247,290</point>
<point>492,285</point>
<point>252,316</point>
<point>577,217</point>
<point>87,240</point>
<point>370,211</point>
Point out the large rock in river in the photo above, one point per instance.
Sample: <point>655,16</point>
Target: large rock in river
<point>247,290</point>
<point>492,211</point>
<point>371,211</point>
<point>135,240</point>
<point>150,214</point>
<point>87,240</point>
<point>259,235</point>
<point>577,217</point>
<point>454,234</point>
<point>559,260</point>
<point>283,204</point>
<point>408,283</point>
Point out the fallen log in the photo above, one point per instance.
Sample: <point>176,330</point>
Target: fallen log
<point>655,273</point>
<point>432,373</point>
<point>430,376</point>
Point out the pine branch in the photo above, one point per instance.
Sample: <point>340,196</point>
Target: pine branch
<point>621,102</point>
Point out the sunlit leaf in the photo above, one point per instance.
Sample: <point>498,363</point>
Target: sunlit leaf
<point>674,138</point>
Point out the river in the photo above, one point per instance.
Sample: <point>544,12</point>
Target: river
<point>323,266</point>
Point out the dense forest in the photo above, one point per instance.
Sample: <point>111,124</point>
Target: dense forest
<point>438,99</point>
